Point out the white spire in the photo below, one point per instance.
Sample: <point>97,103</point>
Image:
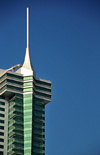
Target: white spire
<point>27,27</point>
<point>27,62</point>
<point>27,65</point>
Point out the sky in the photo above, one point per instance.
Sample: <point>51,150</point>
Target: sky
<point>65,49</point>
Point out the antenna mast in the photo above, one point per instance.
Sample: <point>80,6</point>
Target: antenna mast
<point>27,27</point>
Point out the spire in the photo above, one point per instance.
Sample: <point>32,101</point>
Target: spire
<point>27,65</point>
<point>27,61</point>
<point>27,27</point>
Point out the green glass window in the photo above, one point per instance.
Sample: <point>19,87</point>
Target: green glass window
<point>1,153</point>
<point>28,83</point>
<point>28,78</point>
<point>15,76</point>
<point>3,88</point>
<point>19,95</point>
<point>2,109</point>
<point>1,140</point>
<point>1,146</point>
<point>2,103</point>
<point>3,77</point>
<point>28,103</point>
<point>27,144</point>
<point>27,119</point>
<point>42,94</point>
<point>1,121</point>
<point>27,151</point>
<point>3,83</point>
<point>2,127</point>
<point>28,116</point>
<point>28,135</point>
<point>28,95</point>
<point>2,115</point>
<point>27,113</point>
<point>15,82</point>
<point>28,89</point>
<point>17,150</point>
<point>1,134</point>
<point>28,99</point>
<point>27,107</point>
<point>28,131</point>
<point>27,125</point>
<point>14,88</point>
<point>42,82</point>
<point>42,88</point>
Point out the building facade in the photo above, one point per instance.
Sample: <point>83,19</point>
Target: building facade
<point>23,97</point>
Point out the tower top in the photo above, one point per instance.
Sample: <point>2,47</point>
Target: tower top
<point>27,67</point>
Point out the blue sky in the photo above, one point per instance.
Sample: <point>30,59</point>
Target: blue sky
<point>64,48</point>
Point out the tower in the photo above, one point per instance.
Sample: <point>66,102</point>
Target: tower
<point>23,97</point>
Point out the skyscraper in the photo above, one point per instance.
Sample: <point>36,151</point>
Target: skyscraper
<point>23,97</point>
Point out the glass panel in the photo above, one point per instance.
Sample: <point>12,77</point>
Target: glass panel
<point>15,82</point>
<point>28,135</point>
<point>27,110</point>
<point>1,134</point>
<point>27,113</point>
<point>28,83</point>
<point>28,99</point>
<point>14,88</point>
<point>42,94</point>
<point>28,95</point>
<point>2,127</point>
<point>15,76</point>
<point>3,88</point>
<point>27,144</point>
<point>27,151</point>
<point>2,103</point>
<point>42,88</point>
<point>28,78</point>
<point>1,121</point>
<point>42,82</point>
<point>27,107</point>
<point>1,140</point>
<point>27,131</point>
<point>27,125</point>
<point>1,146</point>
<point>28,120</point>
<point>2,115</point>
<point>28,89</point>
<point>28,116</point>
